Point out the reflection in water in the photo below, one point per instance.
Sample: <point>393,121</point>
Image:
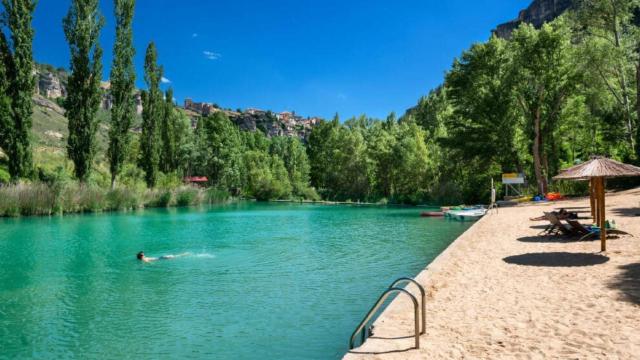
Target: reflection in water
<point>261,281</point>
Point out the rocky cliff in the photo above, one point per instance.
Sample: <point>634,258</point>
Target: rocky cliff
<point>538,13</point>
<point>271,124</point>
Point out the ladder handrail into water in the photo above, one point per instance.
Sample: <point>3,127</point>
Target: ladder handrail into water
<point>375,308</point>
<point>422,294</point>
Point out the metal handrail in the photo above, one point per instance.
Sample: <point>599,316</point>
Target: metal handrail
<point>375,308</point>
<point>423,295</point>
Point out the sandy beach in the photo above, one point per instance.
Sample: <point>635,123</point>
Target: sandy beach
<point>502,291</point>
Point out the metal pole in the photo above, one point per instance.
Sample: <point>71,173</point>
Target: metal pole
<point>379,303</point>
<point>422,299</point>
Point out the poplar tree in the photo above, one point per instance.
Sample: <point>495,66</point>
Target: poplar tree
<point>6,119</point>
<point>167,133</point>
<point>17,82</point>
<point>123,78</point>
<point>152,112</point>
<point>82,27</point>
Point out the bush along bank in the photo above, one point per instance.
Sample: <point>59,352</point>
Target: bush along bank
<point>41,199</point>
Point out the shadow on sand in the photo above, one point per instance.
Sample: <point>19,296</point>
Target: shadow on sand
<point>628,283</point>
<point>557,259</point>
<point>630,212</point>
<point>381,352</point>
<point>550,239</point>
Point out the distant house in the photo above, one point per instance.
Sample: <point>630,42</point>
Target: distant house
<point>196,180</point>
<point>254,111</point>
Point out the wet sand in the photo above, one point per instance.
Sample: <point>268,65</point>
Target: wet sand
<point>501,291</point>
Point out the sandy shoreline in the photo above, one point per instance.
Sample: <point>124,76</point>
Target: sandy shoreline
<point>501,291</point>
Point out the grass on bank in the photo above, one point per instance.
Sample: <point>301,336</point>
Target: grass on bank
<point>27,199</point>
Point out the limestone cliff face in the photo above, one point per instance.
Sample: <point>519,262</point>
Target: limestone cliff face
<point>538,13</point>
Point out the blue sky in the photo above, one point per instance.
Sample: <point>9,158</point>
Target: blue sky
<point>314,57</point>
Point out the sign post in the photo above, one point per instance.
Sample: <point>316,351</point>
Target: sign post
<point>511,179</point>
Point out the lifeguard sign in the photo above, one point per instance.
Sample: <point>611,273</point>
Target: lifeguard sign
<point>511,179</point>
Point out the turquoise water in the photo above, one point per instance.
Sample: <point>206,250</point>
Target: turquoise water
<point>263,281</point>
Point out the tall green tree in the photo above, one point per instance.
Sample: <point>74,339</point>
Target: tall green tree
<point>611,52</point>
<point>123,79</point>
<point>266,176</point>
<point>544,79</point>
<point>6,116</point>
<point>82,26</point>
<point>294,155</point>
<point>482,125</point>
<point>17,84</point>
<point>319,151</point>
<point>168,135</point>
<point>220,152</point>
<point>152,113</point>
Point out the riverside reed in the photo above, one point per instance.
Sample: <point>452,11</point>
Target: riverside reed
<point>27,199</point>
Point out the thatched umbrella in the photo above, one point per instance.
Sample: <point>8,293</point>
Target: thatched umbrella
<point>596,171</point>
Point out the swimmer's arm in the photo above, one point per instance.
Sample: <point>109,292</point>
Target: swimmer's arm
<point>167,257</point>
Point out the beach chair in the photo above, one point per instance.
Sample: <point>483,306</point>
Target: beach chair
<point>556,227</point>
<point>579,228</point>
<point>587,232</point>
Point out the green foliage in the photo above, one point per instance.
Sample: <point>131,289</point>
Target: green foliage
<point>123,198</point>
<point>5,177</point>
<point>16,86</point>
<point>294,155</point>
<point>82,27</point>
<point>186,196</point>
<point>170,135</point>
<point>215,196</point>
<point>39,198</point>
<point>267,177</point>
<point>122,87</point>
<point>219,151</point>
<point>152,113</point>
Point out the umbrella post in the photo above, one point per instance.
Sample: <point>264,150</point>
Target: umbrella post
<point>592,199</point>
<point>602,217</point>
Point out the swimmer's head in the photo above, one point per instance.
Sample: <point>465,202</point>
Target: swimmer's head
<point>140,255</point>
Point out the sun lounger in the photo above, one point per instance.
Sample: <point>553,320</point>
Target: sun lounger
<point>556,227</point>
<point>578,227</point>
<point>587,231</point>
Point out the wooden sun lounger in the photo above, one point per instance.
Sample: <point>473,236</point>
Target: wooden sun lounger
<point>556,226</point>
<point>581,229</point>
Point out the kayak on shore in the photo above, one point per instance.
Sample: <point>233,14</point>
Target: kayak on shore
<point>432,214</point>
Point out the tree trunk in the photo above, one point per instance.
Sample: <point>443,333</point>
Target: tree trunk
<point>637,149</point>
<point>537,160</point>
<point>623,82</point>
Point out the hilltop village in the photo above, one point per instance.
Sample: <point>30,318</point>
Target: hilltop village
<point>51,82</point>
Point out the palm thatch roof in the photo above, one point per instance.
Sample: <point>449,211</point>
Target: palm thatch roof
<point>598,167</point>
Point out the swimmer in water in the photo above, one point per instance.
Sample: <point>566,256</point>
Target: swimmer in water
<point>143,258</point>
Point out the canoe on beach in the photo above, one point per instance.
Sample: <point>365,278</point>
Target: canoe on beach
<point>432,214</point>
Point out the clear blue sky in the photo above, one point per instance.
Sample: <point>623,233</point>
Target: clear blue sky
<point>314,57</point>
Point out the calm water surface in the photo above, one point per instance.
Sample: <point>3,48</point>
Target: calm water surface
<point>264,281</point>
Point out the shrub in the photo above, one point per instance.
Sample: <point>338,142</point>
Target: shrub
<point>309,193</point>
<point>161,198</point>
<point>91,198</point>
<point>36,199</point>
<point>169,181</point>
<point>216,196</point>
<point>186,196</point>
<point>9,201</point>
<point>123,199</point>
<point>4,175</point>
